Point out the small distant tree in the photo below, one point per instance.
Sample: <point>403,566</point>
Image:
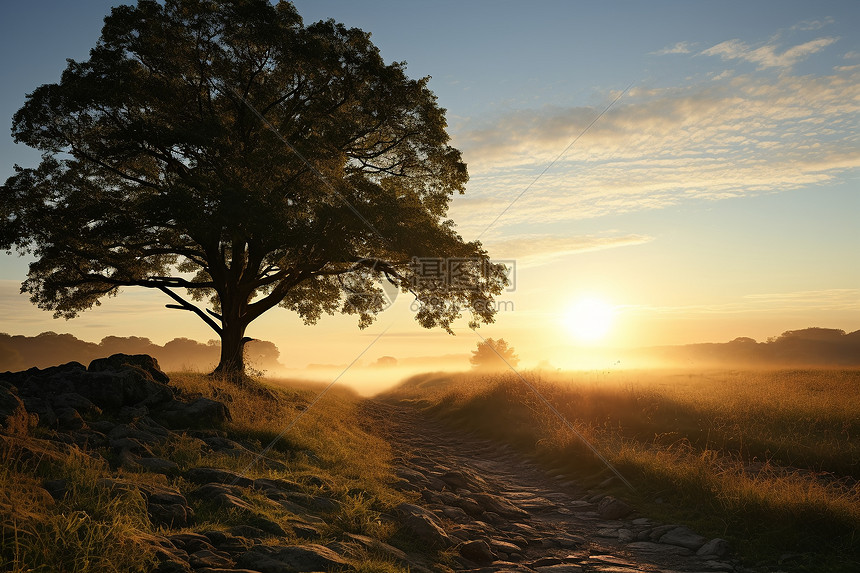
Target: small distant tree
<point>385,362</point>
<point>494,355</point>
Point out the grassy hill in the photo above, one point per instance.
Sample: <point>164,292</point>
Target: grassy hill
<point>124,490</point>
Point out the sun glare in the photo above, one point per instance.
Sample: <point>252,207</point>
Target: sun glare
<point>589,319</point>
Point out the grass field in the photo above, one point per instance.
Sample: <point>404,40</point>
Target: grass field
<point>767,459</point>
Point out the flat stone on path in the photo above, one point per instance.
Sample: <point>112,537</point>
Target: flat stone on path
<point>423,524</point>
<point>683,537</point>
<point>293,559</point>
<point>649,547</point>
<point>560,568</point>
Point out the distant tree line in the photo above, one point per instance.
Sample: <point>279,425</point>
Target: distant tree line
<point>50,349</point>
<point>805,347</point>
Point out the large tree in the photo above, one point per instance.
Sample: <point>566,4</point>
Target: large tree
<point>226,154</point>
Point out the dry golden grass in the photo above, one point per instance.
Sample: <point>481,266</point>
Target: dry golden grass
<point>92,529</point>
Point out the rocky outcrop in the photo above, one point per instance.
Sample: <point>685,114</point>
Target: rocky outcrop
<point>122,386</point>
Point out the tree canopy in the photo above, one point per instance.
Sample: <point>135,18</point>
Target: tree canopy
<point>494,355</point>
<point>236,159</point>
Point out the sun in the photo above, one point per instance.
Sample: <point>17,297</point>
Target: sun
<point>589,319</point>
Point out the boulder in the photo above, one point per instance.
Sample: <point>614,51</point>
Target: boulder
<point>658,548</point>
<point>292,559</point>
<point>379,547</point>
<point>477,551</point>
<point>216,475</point>
<point>715,547</point>
<point>683,537</point>
<point>159,465</point>
<point>201,413</point>
<point>14,418</point>
<point>172,515</point>
<point>499,505</point>
<point>109,384</point>
<point>423,524</point>
<point>611,508</point>
<point>142,362</point>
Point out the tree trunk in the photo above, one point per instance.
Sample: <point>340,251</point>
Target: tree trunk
<point>232,363</point>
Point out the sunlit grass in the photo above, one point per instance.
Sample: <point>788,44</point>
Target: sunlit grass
<point>769,459</point>
<point>90,529</point>
<point>326,452</point>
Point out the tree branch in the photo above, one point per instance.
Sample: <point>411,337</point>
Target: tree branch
<point>185,305</point>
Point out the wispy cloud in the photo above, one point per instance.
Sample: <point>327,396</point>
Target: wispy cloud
<point>768,55</point>
<point>730,137</point>
<point>807,25</point>
<point>679,48</point>
<point>533,250</point>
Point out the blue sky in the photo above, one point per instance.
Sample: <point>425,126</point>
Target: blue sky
<point>717,197</point>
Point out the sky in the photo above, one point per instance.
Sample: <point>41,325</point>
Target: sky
<point>693,167</point>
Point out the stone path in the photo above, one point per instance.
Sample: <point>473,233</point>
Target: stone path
<point>497,511</point>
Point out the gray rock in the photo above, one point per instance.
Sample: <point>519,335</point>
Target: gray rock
<point>40,411</point>
<point>660,548</point>
<point>68,418</point>
<point>683,537</point>
<point>249,532</point>
<point>191,542</point>
<point>423,524</point>
<point>569,541</point>
<point>456,514</point>
<point>172,515</point>
<point>463,480</point>
<point>262,563</point>
<point>127,431</point>
<point>611,508</point>
<point>305,530</point>
<point>208,558</point>
<point>129,445</point>
<point>500,505</point>
<point>77,402</point>
<point>477,551</point>
<point>411,476</point>
<point>713,565</point>
<point>379,547</point>
<point>546,562</point>
<point>561,568</point>
<point>124,380</point>
<point>660,530</point>
<point>143,362</point>
<point>201,413</point>
<point>503,546</point>
<point>316,502</point>
<point>267,485</point>
<point>716,547</point>
<point>216,475</point>
<point>159,465</point>
<point>14,418</point>
<point>292,559</point>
